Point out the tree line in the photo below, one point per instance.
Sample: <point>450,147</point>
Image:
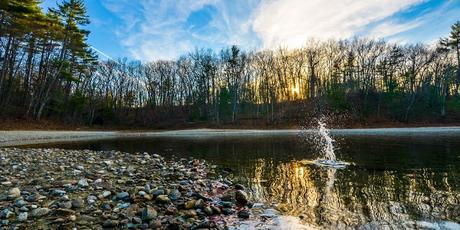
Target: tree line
<point>48,71</point>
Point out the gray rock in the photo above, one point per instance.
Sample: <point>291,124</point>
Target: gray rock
<point>83,183</point>
<point>39,212</point>
<point>142,193</point>
<point>77,203</point>
<point>19,203</point>
<point>23,216</point>
<point>122,195</point>
<point>6,214</point>
<point>91,199</point>
<point>148,213</point>
<point>66,205</point>
<point>14,193</point>
<point>58,192</point>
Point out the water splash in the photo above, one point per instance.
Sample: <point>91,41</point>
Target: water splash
<point>327,148</point>
<point>328,142</point>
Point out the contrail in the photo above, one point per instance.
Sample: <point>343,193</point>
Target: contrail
<point>103,54</point>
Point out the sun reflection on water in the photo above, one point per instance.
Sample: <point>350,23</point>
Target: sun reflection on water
<point>327,197</point>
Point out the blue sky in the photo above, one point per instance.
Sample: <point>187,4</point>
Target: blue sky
<point>164,29</point>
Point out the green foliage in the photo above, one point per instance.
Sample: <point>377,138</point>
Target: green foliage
<point>453,105</point>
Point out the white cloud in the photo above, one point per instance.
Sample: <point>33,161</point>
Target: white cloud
<point>291,22</point>
<point>390,28</point>
<point>158,29</point>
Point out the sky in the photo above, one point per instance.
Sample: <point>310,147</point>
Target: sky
<point>150,30</point>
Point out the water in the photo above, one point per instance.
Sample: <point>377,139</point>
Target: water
<point>325,145</point>
<point>393,183</point>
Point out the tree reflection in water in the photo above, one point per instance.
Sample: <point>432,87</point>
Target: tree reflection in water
<point>351,198</point>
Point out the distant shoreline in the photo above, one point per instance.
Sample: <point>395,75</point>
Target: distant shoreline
<point>18,138</point>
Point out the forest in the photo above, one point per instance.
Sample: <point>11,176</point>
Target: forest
<point>50,72</point>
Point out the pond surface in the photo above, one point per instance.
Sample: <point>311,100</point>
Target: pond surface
<point>393,182</point>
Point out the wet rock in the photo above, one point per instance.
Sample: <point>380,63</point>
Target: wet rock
<point>39,212</point>
<point>190,213</point>
<point>110,224</point>
<point>226,204</point>
<point>227,211</point>
<point>240,187</point>
<point>141,193</point>
<point>190,204</point>
<point>148,213</point>
<point>199,204</point>
<point>106,207</point>
<point>158,192</point>
<point>208,210</point>
<point>122,196</point>
<point>216,210</point>
<point>241,197</point>
<point>243,214</point>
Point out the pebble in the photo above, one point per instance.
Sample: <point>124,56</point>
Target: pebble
<point>110,224</point>
<point>6,214</point>
<point>14,193</point>
<point>7,183</point>
<point>106,194</point>
<point>163,199</point>
<point>39,212</point>
<point>23,216</point>
<point>122,195</point>
<point>148,213</point>
<point>82,189</point>
<point>83,183</point>
<point>77,203</point>
<point>19,203</point>
<point>190,204</point>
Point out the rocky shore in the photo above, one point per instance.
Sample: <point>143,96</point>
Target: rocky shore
<point>73,189</point>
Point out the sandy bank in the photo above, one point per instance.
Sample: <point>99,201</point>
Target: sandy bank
<point>15,138</point>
